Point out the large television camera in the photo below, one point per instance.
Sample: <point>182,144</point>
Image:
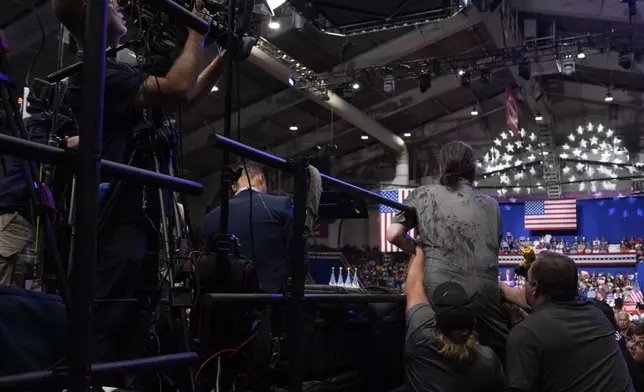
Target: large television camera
<point>162,26</point>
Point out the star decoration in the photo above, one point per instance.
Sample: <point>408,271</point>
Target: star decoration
<point>576,152</point>
<point>507,158</point>
<point>566,170</point>
<point>522,133</point>
<point>582,186</point>
<point>518,143</point>
<point>600,128</point>
<point>528,147</point>
<point>531,157</point>
<point>589,126</point>
<point>517,190</point>
<point>584,156</point>
<point>616,141</point>
<point>497,142</point>
<point>590,171</point>
<point>564,156</point>
<point>609,133</point>
<point>573,179</point>
<point>518,163</point>
<point>504,136</point>
<point>580,166</point>
<point>566,146</point>
<point>510,147</point>
<point>583,143</point>
<point>533,171</point>
<point>486,157</point>
<point>533,137</point>
<point>571,137</point>
<point>476,183</point>
<point>518,176</point>
<point>593,141</point>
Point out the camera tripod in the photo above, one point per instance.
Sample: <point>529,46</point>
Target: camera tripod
<point>39,205</point>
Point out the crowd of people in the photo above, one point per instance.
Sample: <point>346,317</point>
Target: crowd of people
<point>579,245</point>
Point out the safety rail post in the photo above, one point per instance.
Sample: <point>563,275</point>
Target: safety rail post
<point>90,152</point>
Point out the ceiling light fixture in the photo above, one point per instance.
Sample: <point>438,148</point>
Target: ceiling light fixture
<point>407,134</point>
<point>608,97</point>
<point>293,127</point>
<point>475,111</point>
<point>214,89</point>
<point>274,25</point>
<point>538,117</point>
<point>364,137</point>
<point>355,86</point>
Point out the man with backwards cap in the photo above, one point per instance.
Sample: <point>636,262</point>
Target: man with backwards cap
<point>441,352</point>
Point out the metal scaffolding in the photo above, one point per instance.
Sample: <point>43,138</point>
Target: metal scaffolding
<point>89,165</point>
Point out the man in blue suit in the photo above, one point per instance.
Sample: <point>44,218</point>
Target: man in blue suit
<point>263,225</point>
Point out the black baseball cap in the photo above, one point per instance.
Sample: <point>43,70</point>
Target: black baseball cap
<point>453,308</point>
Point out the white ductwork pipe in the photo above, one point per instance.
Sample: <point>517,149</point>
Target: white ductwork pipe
<point>342,108</point>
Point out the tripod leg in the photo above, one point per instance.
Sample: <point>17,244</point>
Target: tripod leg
<point>177,313</point>
<point>72,224</point>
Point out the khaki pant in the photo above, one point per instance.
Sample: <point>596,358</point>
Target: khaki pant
<point>16,249</point>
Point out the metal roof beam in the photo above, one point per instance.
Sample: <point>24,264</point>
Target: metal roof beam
<point>505,33</point>
<point>612,11</point>
<point>387,108</point>
<point>411,42</point>
<point>424,133</point>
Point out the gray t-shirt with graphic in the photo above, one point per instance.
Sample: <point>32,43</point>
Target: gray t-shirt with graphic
<point>460,230</point>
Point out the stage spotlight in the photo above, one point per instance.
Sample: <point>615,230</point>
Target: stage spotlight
<point>625,60</point>
<point>389,84</point>
<point>466,79</point>
<point>424,81</point>
<point>538,117</point>
<point>485,77</point>
<point>475,111</point>
<point>567,65</point>
<point>524,69</point>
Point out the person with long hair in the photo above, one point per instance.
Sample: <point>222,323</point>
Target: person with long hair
<point>460,233</point>
<point>441,351</point>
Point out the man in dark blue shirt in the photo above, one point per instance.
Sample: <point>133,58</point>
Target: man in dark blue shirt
<point>128,93</point>
<point>566,344</point>
<point>266,238</point>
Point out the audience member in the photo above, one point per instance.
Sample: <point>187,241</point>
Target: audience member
<point>441,351</point>
<point>626,328</point>
<point>460,230</point>
<point>566,344</point>
<point>636,346</point>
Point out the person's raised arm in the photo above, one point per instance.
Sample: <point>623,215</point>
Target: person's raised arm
<point>178,84</point>
<point>415,276</point>
<point>207,79</point>
<point>397,235</point>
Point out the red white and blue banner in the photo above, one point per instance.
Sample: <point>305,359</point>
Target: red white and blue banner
<point>386,216</point>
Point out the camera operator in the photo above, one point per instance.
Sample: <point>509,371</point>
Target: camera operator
<point>129,94</point>
<point>566,344</point>
<point>441,350</point>
<point>17,251</point>
<point>267,241</point>
<point>460,229</point>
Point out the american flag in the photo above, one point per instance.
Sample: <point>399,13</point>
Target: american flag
<point>558,214</point>
<point>636,293</point>
<point>386,216</point>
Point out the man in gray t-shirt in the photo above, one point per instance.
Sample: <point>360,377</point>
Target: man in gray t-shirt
<point>441,352</point>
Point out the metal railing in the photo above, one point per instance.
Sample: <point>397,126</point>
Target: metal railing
<point>297,297</point>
